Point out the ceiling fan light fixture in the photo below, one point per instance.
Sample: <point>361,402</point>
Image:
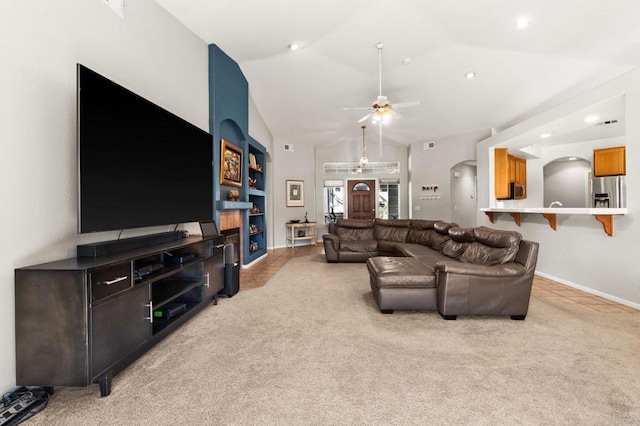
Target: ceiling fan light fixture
<point>363,160</point>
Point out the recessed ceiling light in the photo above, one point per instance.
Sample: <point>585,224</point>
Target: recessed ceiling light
<point>470,75</point>
<point>406,61</point>
<point>522,22</point>
<point>573,158</point>
<point>294,46</point>
<point>591,119</point>
<point>545,135</point>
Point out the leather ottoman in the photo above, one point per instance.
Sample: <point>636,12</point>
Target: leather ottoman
<point>402,283</point>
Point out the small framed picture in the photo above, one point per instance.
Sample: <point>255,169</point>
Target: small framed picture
<point>295,193</point>
<point>231,167</point>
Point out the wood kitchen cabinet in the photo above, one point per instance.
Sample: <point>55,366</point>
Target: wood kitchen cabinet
<point>520,165</point>
<point>609,161</point>
<point>508,168</point>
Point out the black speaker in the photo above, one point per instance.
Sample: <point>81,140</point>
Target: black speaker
<point>231,272</point>
<point>105,248</point>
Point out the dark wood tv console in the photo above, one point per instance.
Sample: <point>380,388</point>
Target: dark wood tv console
<point>82,320</point>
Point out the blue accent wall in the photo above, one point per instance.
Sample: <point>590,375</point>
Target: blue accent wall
<point>228,114</point>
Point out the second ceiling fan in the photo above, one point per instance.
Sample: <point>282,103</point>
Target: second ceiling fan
<point>381,110</point>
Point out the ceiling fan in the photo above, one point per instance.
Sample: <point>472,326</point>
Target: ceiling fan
<point>381,110</point>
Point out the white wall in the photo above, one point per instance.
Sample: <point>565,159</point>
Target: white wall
<point>292,165</point>
<point>433,167</point>
<point>148,52</point>
<point>579,253</point>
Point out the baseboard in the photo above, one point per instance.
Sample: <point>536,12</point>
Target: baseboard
<point>590,290</point>
<point>250,264</point>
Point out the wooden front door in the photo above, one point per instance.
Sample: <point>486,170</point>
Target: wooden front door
<point>362,199</point>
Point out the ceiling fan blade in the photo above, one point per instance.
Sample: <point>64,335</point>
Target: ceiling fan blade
<point>406,104</point>
<point>365,118</point>
<point>395,114</point>
<point>347,109</point>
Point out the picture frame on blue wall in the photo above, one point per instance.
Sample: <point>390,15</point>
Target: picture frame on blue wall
<point>230,164</point>
<point>295,193</point>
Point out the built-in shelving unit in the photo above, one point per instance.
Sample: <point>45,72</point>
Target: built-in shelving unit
<point>255,224</point>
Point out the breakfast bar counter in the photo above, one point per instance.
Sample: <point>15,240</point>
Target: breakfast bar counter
<point>603,215</point>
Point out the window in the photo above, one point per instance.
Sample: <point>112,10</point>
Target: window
<point>361,187</point>
<point>333,201</point>
<point>388,200</point>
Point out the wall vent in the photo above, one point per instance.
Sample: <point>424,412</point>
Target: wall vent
<point>604,123</point>
<point>428,145</point>
<point>288,147</point>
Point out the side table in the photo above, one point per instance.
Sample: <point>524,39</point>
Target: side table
<point>301,231</point>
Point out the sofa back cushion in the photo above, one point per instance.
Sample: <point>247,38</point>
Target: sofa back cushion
<point>422,224</point>
<point>461,238</point>
<point>354,230</point>
<point>420,232</point>
<point>420,236</point>
<point>439,238</point>
<point>492,246</point>
<point>391,229</point>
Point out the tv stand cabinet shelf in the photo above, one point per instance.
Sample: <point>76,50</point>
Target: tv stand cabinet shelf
<point>82,320</point>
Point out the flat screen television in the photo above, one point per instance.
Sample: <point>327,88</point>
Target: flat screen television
<point>139,164</point>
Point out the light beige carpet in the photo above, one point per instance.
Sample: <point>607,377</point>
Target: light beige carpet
<point>310,348</point>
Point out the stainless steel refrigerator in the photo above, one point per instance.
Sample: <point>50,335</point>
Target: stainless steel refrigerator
<point>609,191</point>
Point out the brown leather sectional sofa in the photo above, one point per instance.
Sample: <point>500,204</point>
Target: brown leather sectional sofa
<point>435,265</point>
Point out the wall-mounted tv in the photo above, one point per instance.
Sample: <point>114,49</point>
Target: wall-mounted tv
<point>139,165</point>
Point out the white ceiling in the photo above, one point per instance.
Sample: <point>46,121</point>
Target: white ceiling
<point>570,46</point>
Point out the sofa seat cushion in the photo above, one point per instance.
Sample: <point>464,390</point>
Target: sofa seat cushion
<point>400,272</point>
<point>414,250</point>
<point>359,245</point>
<point>431,259</point>
<point>390,248</point>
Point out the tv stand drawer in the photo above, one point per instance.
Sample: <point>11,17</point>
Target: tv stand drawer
<point>108,281</point>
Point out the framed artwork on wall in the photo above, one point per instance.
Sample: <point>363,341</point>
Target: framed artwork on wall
<point>295,193</point>
<point>231,164</point>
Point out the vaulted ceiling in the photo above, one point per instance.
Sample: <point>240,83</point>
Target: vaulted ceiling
<point>429,46</point>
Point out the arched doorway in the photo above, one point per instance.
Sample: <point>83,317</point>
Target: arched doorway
<point>463,184</point>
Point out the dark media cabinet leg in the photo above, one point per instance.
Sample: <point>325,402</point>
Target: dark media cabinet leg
<point>105,383</point>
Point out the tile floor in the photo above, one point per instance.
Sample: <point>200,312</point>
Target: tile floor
<point>261,272</point>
